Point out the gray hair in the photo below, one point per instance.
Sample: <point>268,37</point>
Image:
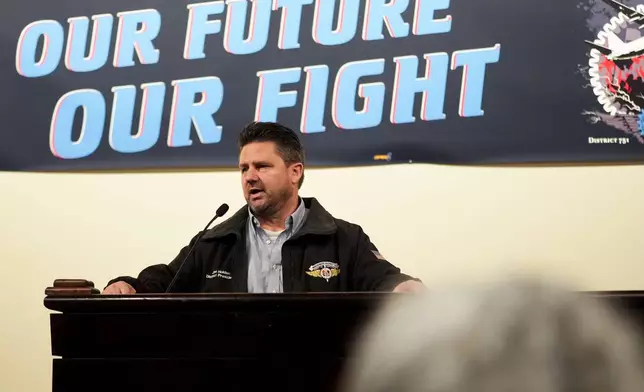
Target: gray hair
<point>517,337</point>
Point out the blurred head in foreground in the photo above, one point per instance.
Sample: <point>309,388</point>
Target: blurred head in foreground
<point>517,337</point>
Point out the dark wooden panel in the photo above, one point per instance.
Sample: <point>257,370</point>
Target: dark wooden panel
<point>298,374</point>
<point>219,326</point>
<point>225,334</point>
<point>630,304</point>
<point>234,342</point>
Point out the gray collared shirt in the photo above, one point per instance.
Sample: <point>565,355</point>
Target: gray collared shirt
<point>265,252</point>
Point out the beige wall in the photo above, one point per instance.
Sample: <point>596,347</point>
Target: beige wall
<point>585,225</point>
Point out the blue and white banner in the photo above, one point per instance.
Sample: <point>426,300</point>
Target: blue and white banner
<point>118,84</point>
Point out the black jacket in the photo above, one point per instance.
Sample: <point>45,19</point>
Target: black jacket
<point>326,254</point>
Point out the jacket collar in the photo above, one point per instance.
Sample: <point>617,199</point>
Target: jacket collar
<point>318,221</point>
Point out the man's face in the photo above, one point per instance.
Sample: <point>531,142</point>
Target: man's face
<point>267,181</point>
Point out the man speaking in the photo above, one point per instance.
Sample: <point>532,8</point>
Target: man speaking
<point>279,242</point>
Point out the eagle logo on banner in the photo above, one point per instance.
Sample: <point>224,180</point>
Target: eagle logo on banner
<point>616,72</point>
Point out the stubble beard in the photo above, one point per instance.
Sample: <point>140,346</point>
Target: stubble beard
<point>271,207</point>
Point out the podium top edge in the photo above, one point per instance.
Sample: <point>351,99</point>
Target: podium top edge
<point>246,301</point>
<point>225,296</point>
<point>208,301</point>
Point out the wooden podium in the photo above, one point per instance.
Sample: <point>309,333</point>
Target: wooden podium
<point>205,342</point>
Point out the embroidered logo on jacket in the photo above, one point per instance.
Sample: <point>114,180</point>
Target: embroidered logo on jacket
<point>219,274</point>
<point>325,270</point>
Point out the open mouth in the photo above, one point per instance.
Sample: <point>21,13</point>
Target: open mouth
<point>255,191</point>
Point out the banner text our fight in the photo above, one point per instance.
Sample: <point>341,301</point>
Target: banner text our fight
<point>46,45</point>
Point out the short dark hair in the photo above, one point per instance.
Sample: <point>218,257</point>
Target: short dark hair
<point>286,140</point>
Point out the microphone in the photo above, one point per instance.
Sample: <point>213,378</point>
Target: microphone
<point>221,211</point>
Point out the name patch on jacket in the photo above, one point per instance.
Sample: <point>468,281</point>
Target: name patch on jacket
<point>324,269</point>
<point>219,274</point>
